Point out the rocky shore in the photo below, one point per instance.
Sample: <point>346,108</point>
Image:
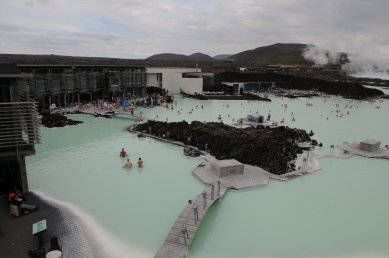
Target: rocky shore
<point>269,148</point>
<point>347,89</point>
<point>57,120</point>
<point>193,96</point>
<point>245,96</point>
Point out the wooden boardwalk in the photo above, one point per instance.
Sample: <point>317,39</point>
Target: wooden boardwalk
<point>177,242</point>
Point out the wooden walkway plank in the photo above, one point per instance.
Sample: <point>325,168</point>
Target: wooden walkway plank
<point>181,234</point>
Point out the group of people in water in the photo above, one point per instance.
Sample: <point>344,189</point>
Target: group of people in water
<point>221,117</point>
<point>128,164</point>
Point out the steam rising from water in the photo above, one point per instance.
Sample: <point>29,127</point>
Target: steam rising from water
<point>363,61</point>
<point>320,56</point>
<point>108,243</point>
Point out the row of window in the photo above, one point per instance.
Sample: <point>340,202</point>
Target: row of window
<point>40,84</point>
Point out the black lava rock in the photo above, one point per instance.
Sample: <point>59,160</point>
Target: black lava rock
<point>57,120</point>
<point>191,152</point>
<point>269,148</point>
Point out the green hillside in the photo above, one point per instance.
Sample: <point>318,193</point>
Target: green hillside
<point>168,56</point>
<point>178,57</point>
<point>289,54</point>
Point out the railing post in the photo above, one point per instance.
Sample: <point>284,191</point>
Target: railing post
<point>305,161</point>
<point>218,188</point>
<point>212,191</point>
<point>204,200</point>
<point>184,235</point>
<point>186,232</point>
<point>195,214</point>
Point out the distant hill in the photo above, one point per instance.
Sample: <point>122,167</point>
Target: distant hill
<point>222,57</point>
<point>200,57</point>
<point>168,56</point>
<point>290,54</point>
<point>179,57</point>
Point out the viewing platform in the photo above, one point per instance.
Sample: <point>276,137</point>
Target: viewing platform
<point>251,176</point>
<point>367,148</point>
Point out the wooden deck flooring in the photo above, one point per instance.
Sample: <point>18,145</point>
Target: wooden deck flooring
<point>178,240</point>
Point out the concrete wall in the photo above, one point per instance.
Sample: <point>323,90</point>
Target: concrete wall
<point>222,168</point>
<point>173,81</point>
<point>370,145</point>
<point>152,80</point>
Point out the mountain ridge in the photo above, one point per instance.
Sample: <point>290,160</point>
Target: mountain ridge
<point>198,56</point>
<point>222,56</point>
<point>279,53</point>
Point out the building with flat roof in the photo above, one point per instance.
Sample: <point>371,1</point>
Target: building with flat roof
<point>227,167</point>
<point>369,145</point>
<point>19,128</point>
<point>175,80</point>
<point>67,84</point>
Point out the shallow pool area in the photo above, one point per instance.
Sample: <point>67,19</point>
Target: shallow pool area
<point>339,211</point>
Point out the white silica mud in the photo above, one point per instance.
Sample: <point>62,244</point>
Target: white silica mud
<point>339,211</point>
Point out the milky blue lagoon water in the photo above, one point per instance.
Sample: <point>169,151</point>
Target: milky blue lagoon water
<point>339,211</point>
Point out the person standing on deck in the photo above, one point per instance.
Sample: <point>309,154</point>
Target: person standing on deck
<point>268,116</point>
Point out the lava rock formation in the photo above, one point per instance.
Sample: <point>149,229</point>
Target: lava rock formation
<point>57,120</point>
<point>272,149</point>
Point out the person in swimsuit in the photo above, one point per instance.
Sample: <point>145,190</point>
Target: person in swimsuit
<point>128,164</point>
<point>123,153</point>
<point>140,163</point>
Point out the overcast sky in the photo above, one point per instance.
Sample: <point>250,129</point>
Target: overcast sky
<point>140,28</point>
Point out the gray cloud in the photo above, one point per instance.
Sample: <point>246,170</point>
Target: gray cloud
<point>90,27</point>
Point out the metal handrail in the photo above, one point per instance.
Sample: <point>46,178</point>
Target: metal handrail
<point>195,203</point>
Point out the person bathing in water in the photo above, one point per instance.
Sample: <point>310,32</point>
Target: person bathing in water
<point>140,163</point>
<point>123,153</point>
<point>128,164</point>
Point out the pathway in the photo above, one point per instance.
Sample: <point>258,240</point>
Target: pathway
<point>185,227</point>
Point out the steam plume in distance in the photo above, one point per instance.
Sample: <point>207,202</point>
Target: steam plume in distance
<point>359,62</point>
